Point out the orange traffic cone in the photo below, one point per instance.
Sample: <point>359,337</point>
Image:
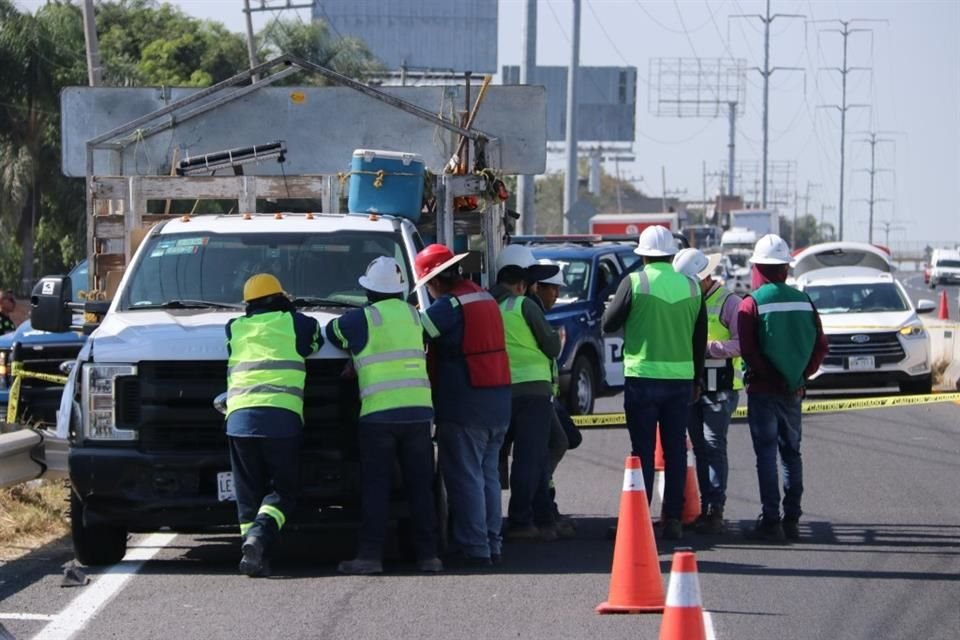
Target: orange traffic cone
<point>683,615</point>
<point>636,585</point>
<point>691,491</point>
<point>943,313</point>
<point>658,463</point>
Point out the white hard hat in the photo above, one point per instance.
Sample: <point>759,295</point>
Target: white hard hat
<point>771,249</point>
<point>690,262</point>
<point>656,241</point>
<point>384,275</point>
<point>556,278</point>
<point>517,255</point>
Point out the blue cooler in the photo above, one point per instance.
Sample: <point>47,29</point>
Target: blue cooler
<point>386,182</point>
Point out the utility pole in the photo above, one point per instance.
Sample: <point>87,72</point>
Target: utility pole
<point>823,211</point>
<point>731,147</point>
<point>888,226</point>
<point>251,41</point>
<point>873,140</point>
<point>570,183</point>
<point>526,187</point>
<point>766,72</point>
<point>617,159</point>
<point>663,184</point>
<point>94,68</point>
<point>806,199</point>
<point>843,107</point>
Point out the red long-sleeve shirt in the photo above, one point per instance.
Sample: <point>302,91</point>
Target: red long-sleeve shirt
<point>764,378</point>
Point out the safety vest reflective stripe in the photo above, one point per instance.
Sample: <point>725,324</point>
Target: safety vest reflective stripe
<point>393,385</point>
<point>478,296</point>
<point>428,325</point>
<point>268,365</point>
<point>264,388</point>
<point>274,513</point>
<point>775,307</point>
<point>244,527</point>
<point>387,356</point>
<point>714,363</point>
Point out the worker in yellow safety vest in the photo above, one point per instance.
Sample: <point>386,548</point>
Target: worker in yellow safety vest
<point>721,384</point>
<point>266,374</point>
<point>386,341</point>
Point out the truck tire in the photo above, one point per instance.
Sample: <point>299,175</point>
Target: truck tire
<point>583,386</point>
<point>917,386</point>
<point>95,546</point>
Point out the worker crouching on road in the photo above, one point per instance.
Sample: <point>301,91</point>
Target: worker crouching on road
<point>564,435</point>
<point>470,372</point>
<point>665,335</point>
<point>385,339</point>
<point>266,373</point>
<point>783,344</point>
<point>720,387</point>
<point>532,344</point>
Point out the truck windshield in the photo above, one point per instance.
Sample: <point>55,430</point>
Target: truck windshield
<point>948,264</point>
<point>209,269</point>
<point>857,298</point>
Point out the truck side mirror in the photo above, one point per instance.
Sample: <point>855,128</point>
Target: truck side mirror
<point>48,302</point>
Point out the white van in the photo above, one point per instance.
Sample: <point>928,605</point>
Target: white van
<point>944,267</point>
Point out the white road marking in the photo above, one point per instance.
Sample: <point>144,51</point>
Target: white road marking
<point>708,626</point>
<point>25,616</point>
<point>84,607</point>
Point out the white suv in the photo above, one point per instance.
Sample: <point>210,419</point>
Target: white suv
<point>877,341</point>
<point>944,267</point>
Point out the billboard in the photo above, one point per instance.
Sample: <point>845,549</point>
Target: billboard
<point>606,101</point>
<point>423,35</point>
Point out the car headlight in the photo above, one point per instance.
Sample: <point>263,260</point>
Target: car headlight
<point>913,331</point>
<point>97,401</point>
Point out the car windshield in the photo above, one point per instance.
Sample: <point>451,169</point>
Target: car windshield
<point>576,280</point>
<point>738,259</point>
<point>857,298</point>
<point>209,269</point>
<point>949,264</point>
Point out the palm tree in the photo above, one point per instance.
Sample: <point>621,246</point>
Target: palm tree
<point>313,42</point>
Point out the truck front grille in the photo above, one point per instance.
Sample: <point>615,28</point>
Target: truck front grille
<point>884,347</point>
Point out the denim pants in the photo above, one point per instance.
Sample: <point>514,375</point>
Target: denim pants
<point>469,461</point>
<point>647,402</point>
<point>775,426</point>
<point>381,444</point>
<point>266,474</point>
<point>709,423</point>
<point>530,422</point>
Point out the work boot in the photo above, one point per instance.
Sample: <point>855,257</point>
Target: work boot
<point>767,530</point>
<point>252,564</point>
<point>525,532</point>
<point>711,522</point>
<point>672,529</point>
<point>791,528</point>
<point>566,528</point>
<point>430,565</point>
<point>549,533</point>
<point>360,567</point>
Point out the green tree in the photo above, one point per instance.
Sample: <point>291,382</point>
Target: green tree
<point>809,231</point>
<point>313,42</point>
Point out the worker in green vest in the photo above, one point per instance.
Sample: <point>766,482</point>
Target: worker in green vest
<point>782,342</point>
<point>385,340</point>
<point>720,387</point>
<point>665,335</point>
<point>266,374</point>
<point>532,345</point>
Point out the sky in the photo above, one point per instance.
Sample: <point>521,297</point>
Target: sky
<point>912,88</point>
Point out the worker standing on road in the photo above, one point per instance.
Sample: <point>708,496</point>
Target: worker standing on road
<point>470,372</point>
<point>385,339</point>
<point>531,344</point>
<point>665,335</point>
<point>783,344</point>
<point>564,435</point>
<point>720,387</point>
<point>266,373</point>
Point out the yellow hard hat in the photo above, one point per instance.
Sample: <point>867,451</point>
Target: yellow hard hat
<point>261,286</point>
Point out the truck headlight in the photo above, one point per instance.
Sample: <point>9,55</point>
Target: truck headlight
<point>913,331</point>
<point>97,401</point>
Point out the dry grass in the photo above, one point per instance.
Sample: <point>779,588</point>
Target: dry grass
<point>937,370</point>
<point>31,515</point>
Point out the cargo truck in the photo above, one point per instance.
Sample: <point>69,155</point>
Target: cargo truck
<point>631,224</point>
<point>760,221</point>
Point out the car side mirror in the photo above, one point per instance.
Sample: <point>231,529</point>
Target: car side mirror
<point>926,306</point>
<point>49,304</point>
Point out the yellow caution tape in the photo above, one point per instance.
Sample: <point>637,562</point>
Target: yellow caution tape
<point>601,420</point>
<point>18,373</point>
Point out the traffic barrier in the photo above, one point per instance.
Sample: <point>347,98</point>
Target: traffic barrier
<point>606,420</point>
<point>683,615</point>
<point>16,463</point>
<point>636,585</point>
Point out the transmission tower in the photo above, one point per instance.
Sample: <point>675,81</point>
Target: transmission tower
<point>873,141</point>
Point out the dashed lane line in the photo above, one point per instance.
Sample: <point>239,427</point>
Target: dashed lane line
<point>26,616</point>
<point>84,607</point>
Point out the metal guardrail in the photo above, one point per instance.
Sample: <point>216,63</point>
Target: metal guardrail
<point>17,463</point>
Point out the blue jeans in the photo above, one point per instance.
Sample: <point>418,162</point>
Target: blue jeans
<point>381,443</point>
<point>775,426</point>
<point>709,423</point>
<point>530,423</point>
<point>646,402</point>
<point>469,461</point>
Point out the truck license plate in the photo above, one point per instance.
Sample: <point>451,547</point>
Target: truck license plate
<point>225,486</point>
<point>861,363</point>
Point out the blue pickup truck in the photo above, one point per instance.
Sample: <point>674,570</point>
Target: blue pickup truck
<point>42,352</point>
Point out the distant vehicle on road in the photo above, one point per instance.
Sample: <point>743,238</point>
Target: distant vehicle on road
<point>877,341</point>
<point>632,224</point>
<point>737,245</point>
<point>760,221</point>
<point>944,267</point>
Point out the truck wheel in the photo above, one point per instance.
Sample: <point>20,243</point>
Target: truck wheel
<point>917,386</point>
<point>98,545</point>
<point>582,391</point>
